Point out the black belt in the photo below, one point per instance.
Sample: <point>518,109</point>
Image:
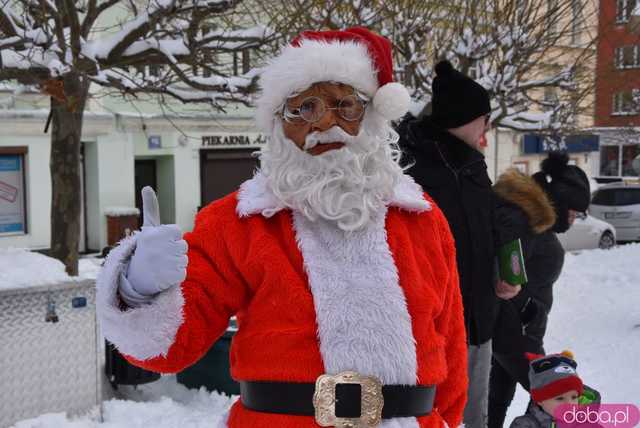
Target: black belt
<point>297,399</point>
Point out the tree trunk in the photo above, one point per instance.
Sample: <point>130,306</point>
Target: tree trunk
<point>66,119</point>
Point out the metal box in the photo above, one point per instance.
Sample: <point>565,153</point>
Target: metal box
<point>48,351</point>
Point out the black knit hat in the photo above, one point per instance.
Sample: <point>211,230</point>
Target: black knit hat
<point>457,99</point>
<point>567,186</point>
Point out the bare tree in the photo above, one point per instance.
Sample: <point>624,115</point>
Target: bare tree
<point>517,49</point>
<point>174,48</point>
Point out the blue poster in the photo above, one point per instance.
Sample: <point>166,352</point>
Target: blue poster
<point>12,213</point>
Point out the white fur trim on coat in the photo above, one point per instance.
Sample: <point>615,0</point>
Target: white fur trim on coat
<point>255,197</point>
<point>144,332</point>
<point>297,68</point>
<point>361,311</point>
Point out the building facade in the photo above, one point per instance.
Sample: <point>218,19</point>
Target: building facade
<point>189,160</point>
<point>617,113</point>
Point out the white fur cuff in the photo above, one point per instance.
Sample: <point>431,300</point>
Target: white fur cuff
<point>144,332</point>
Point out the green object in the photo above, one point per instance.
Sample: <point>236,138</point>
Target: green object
<point>511,261</point>
<point>212,370</point>
<point>588,397</point>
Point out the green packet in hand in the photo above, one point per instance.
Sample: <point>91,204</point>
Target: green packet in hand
<point>511,262</point>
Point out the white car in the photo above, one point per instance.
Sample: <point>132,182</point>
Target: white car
<point>619,204</point>
<point>587,233</point>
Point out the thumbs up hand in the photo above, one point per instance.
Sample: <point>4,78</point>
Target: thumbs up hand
<point>160,258</point>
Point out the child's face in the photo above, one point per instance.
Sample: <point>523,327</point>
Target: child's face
<point>550,405</point>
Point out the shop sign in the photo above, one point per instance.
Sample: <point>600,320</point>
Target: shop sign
<point>233,140</point>
<point>154,142</point>
<point>536,143</point>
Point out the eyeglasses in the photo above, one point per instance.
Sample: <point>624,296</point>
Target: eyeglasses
<point>312,109</point>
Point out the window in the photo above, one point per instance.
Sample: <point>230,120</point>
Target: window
<point>610,161</point>
<point>628,57</point>
<point>616,197</point>
<point>473,71</point>
<point>629,153</point>
<point>617,160</point>
<point>246,61</point>
<point>550,95</point>
<point>626,102</point>
<point>628,196</point>
<point>552,15</point>
<point>155,70</point>
<point>623,10</point>
<point>576,21</point>
<point>241,62</point>
<point>13,212</point>
<point>606,197</point>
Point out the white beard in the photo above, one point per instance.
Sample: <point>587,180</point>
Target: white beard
<point>348,186</point>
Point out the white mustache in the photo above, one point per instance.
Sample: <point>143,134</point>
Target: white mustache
<point>333,135</point>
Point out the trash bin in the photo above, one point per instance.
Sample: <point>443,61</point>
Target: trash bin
<point>121,222</point>
<point>212,370</point>
<point>120,372</point>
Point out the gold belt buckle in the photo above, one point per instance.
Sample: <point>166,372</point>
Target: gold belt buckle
<point>371,401</point>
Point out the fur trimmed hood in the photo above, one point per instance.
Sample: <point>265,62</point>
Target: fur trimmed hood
<point>526,193</point>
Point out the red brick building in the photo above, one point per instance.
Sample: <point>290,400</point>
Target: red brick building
<point>617,111</point>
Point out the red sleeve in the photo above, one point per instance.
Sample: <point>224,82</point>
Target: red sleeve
<point>213,291</point>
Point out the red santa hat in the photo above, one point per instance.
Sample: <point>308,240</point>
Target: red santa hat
<point>355,56</point>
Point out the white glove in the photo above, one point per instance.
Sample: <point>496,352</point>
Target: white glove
<point>160,259</point>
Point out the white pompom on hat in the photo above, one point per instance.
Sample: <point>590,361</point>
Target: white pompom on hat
<point>355,56</point>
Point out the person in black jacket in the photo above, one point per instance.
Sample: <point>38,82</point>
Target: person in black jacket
<point>442,151</point>
<point>532,209</point>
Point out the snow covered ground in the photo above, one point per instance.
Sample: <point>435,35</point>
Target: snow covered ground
<point>596,315</point>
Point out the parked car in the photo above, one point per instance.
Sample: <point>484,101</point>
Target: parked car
<point>619,204</point>
<point>588,233</point>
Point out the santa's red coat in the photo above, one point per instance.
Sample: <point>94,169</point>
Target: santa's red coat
<point>278,273</point>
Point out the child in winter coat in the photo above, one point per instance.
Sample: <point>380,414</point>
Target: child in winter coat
<point>554,381</point>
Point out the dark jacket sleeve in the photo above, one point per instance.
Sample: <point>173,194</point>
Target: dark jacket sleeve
<point>509,222</point>
<point>525,421</point>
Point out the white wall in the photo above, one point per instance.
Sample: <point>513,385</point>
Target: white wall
<point>509,148</point>
<point>92,192</point>
<point>187,183</point>
<point>115,178</point>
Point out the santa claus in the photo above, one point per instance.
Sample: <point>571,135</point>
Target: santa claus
<point>340,270</point>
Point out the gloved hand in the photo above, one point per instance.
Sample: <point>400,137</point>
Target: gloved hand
<point>160,258</point>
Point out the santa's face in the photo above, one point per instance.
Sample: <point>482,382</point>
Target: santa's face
<point>319,108</point>
<point>339,170</point>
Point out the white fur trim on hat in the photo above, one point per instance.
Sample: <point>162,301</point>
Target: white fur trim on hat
<point>313,61</point>
<point>392,101</point>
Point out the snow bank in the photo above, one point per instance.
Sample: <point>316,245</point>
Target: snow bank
<point>21,268</point>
